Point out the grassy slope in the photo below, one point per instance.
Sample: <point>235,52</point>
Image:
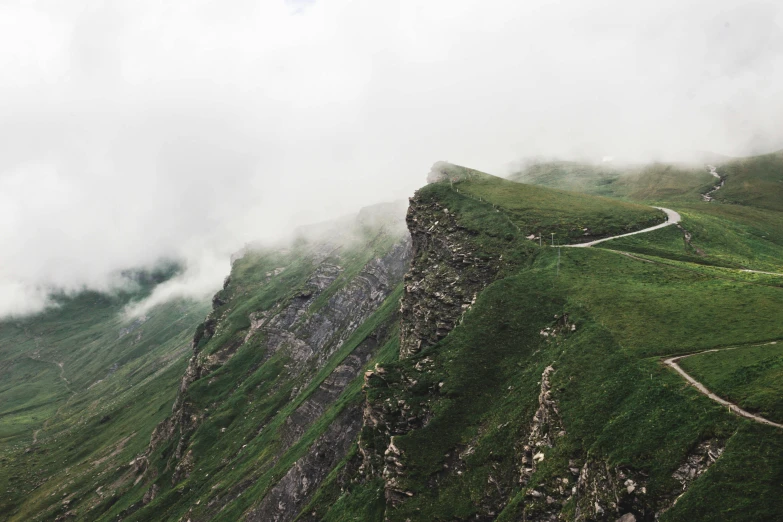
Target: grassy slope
<point>617,400</point>
<point>654,182</point>
<point>755,181</point>
<point>750,376</point>
<point>723,235</point>
<point>95,413</point>
<point>537,210</point>
<point>249,398</point>
<point>696,306</point>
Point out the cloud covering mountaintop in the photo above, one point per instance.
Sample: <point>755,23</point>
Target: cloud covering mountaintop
<point>133,131</point>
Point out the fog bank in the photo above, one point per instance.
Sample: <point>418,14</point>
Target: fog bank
<point>134,131</point>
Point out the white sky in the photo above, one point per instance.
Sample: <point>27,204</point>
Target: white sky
<point>135,130</point>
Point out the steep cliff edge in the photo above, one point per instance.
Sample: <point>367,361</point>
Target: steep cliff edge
<point>512,398</point>
<point>275,373</point>
<point>459,370</point>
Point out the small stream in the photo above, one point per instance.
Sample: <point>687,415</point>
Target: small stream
<point>707,196</point>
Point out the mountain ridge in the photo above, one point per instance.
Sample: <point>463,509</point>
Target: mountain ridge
<point>460,369</point>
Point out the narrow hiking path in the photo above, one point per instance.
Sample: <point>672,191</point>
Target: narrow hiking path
<point>672,218</point>
<point>759,272</point>
<point>675,267</point>
<point>672,362</point>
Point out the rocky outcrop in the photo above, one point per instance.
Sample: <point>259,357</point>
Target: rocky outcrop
<point>330,389</point>
<point>444,279</point>
<point>604,492</point>
<point>699,460</point>
<point>598,491</point>
<point>308,333</point>
<point>287,498</point>
<point>545,501</point>
<point>544,429</point>
<point>386,415</point>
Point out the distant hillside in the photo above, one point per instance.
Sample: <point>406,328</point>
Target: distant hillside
<point>81,388</point>
<point>654,182</point>
<point>755,181</point>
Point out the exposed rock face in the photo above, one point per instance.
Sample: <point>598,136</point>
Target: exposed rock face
<point>287,498</point>
<point>546,426</point>
<point>599,491</point>
<point>329,390</point>
<point>442,283</point>
<point>308,336</point>
<point>544,502</point>
<point>444,279</point>
<point>606,493</point>
<point>701,458</point>
<point>382,420</point>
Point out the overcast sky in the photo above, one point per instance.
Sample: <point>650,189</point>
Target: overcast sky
<point>135,130</point>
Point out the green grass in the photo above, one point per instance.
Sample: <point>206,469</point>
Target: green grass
<point>477,388</point>
<point>653,182</point>
<point>660,309</point>
<point>119,387</point>
<point>750,376</point>
<point>617,401</point>
<point>722,235</point>
<point>536,210</point>
<point>755,181</point>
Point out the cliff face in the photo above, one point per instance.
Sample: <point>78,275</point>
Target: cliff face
<point>439,415</point>
<point>275,360</point>
<point>453,372</point>
<point>498,448</point>
<point>444,278</point>
<point>306,338</point>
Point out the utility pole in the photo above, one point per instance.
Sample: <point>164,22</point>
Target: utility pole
<point>539,240</point>
<point>558,262</point>
<point>553,239</point>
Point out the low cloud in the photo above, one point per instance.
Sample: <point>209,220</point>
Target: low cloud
<point>135,131</point>
<point>198,280</point>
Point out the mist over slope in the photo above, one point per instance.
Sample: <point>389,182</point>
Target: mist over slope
<point>456,368</point>
<point>134,132</point>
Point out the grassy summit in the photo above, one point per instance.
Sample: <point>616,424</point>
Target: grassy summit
<point>535,210</point>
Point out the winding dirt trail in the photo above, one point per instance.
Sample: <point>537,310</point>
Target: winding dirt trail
<point>760,272</point>
<point>672,218</point>
<point>672,362</point>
